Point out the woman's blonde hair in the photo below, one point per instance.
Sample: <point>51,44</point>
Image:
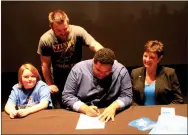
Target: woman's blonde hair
<point>31,68</point>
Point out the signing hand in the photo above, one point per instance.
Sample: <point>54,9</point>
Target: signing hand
<point>54,88</point>
<point>92,111</point>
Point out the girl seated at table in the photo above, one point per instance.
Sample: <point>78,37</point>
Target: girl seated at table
<point>154,84</point>
<point>30,95</point>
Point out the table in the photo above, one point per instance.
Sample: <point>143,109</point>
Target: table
<point>61,121</point>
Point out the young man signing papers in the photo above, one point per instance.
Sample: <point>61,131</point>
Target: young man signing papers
<point>100,82</point>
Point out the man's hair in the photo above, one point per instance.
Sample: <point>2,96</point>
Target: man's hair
<point>154,46</point>
<point>31,68</point>
<point>58,16</point>
<point>104,56</point>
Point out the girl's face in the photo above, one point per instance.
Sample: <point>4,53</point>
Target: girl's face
<point>28,79</point>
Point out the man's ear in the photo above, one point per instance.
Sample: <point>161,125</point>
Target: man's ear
<point>50,26</point>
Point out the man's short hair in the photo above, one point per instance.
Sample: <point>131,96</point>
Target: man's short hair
<point>104,56</point>
<point>58,16</point>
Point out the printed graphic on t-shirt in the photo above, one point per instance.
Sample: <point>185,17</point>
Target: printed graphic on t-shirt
<point>67,50</point>
<point>29,103</point>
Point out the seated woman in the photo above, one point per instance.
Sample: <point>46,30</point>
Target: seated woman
<point>154,84</point>
<point>29,95</point>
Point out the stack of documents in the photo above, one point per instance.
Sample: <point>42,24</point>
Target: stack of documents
<point>169,123</point>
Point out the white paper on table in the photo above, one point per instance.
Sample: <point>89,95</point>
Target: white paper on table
<point>167,111</point>
<point>87,122</point>
<point>169,124</point>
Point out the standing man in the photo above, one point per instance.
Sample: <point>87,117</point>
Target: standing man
<point>99,82</point>
<point>60,48</point>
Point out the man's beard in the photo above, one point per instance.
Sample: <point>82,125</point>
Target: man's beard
<point>63,37</point>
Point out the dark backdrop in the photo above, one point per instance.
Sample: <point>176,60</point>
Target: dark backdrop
<point>121,26</point>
